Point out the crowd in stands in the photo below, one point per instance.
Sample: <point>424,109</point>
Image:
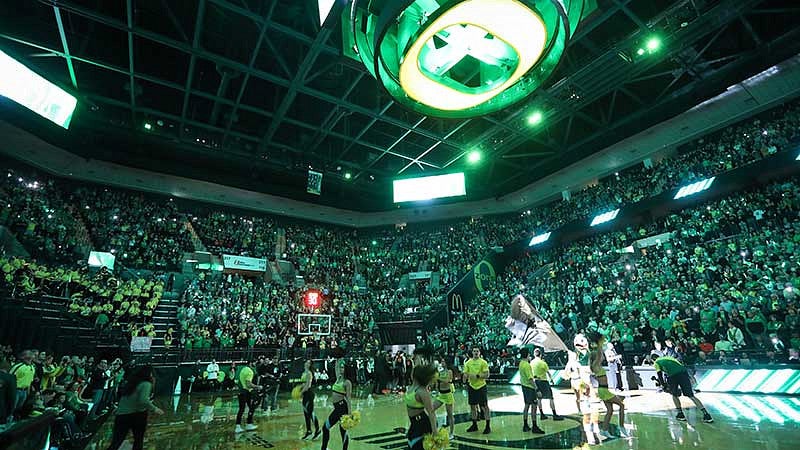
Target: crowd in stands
<point>36,211</point>
<point>362,272</point>
<point>233,311</point>
<point>140,231</point>
<point>101,297</point>
<point>78,390</point>
<point>724,280</point>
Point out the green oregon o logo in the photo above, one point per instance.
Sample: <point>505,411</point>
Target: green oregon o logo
<point>484,275</point>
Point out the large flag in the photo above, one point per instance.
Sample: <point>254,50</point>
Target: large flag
<point>528,327</point>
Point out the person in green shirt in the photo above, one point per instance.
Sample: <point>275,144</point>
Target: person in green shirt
<point>134,406</point>
<point>678,382</point>
<point>529,392</point>
<point>541,375</point>
<point>476,372</point>
<point>244,379</point>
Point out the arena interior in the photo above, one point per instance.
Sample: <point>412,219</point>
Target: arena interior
<point>399,224</point>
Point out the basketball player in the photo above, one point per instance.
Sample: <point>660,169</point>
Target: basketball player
<point>541,373</point>
<point>530,393</point>
<point>476,372</point>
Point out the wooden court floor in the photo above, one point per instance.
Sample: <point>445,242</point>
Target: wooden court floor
<point>746,422</point>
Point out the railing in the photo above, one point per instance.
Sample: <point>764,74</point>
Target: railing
<point>28,434</point>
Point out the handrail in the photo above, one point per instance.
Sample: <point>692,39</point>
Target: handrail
<point>27,434</point>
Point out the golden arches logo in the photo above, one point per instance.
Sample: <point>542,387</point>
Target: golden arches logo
<point>456,303</point>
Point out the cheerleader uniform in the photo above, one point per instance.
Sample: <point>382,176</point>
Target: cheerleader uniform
<point>308,406</point>
<point>420,424</point>
<point>339,410</point>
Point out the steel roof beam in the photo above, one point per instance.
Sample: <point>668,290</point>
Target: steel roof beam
<point>266,76</point>
<point>198,31</point>
<point>297,81</point>
<point>131,67</point>
<point>253,56</point>
<point>64,43</point>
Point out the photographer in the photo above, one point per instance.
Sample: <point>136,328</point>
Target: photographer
<point>678,382</point>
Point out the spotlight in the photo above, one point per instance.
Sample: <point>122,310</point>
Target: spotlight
<point>347,175</point>
<point>148,126</point>
<point>474,157</point>
<point>535,118</point>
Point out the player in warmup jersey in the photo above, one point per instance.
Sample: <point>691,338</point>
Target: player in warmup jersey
<point>678,383</point>
<point>476,371</point>
<point>530,393</point>
<point>541,373</point>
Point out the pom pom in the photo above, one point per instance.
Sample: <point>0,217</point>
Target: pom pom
<point>351,420</point>
<point>297,392</point>
<point>436,441</point>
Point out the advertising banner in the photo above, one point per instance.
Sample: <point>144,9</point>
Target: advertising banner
<point>233,262</point>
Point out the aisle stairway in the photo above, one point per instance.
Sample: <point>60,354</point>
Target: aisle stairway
<point>164,317</point>
<point>197,243</point>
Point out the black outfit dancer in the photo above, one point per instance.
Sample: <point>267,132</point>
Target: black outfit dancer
<point>134,405</point>
<point>420,406</point>
<point>308,400</point>
<point>341,406</point>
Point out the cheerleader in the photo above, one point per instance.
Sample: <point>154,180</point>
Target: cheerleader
<point>598,342</point>
<point>444,385</point>
<point>307,392</point>
<point>419,406</point>
<point>340,398</point>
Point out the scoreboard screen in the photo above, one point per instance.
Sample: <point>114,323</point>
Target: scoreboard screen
<point>427,188</point>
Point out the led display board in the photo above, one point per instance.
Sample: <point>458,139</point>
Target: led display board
<point>32,91</point>
<point>427,188</point>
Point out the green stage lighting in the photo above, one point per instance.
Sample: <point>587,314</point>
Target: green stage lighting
<point>535,118</point>
<point>347,175</point>
<point>148,126</point>
<point>640,52</point>
<point>653,44</point>
<point>474,157</point>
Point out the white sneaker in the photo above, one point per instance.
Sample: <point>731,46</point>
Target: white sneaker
<point>452,436</point>
<point>239,429</point>
<point>250,427</point>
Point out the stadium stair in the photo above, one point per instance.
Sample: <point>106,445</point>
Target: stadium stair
<point>197,243</point>
<point>164,317</point>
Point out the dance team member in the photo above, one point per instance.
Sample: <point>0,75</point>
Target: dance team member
<point>444,385</point>
<point>419,406</point>
<point>599,379</point>
<point>342,391</point>
<point>308,400</point>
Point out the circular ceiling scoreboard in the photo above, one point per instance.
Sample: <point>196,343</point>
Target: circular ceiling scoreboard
<point>462,58</point>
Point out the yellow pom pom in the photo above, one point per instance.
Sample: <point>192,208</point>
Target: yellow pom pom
<point>297,392</point>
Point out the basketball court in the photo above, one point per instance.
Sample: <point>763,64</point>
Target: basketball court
<point>741,422</point>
